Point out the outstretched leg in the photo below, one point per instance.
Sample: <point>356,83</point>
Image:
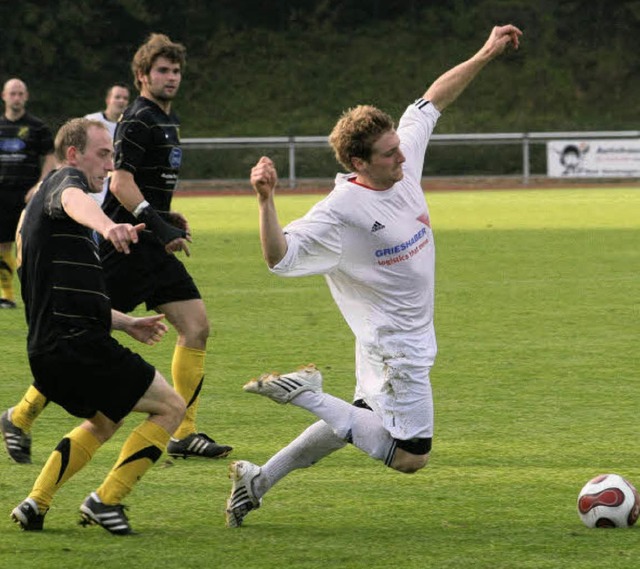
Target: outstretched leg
<point>251,482</point>
<point>357,425</point>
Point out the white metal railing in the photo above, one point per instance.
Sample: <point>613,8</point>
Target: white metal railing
<point>525,139</point>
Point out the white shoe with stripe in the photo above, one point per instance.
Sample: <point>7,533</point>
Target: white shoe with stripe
<point>283,388</point>
<point>242,499</point>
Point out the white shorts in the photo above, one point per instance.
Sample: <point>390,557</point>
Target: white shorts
<point>394,381</point>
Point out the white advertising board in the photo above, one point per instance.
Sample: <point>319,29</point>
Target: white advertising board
<point>611,158</point>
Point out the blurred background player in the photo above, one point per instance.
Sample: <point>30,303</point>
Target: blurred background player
<point>147,162</point>
<point>26,157</point>
<point>372,239</point>
<point>73,357</point>
<point>116,101</point>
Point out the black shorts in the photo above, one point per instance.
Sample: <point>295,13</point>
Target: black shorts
<point>11,206</point>
<point>91,373</point>
<point>148,274</point>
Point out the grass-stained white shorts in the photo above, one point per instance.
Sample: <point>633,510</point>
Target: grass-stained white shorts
<point>393,379</point>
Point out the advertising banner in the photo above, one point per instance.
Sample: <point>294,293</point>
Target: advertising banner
<point>611,158</point>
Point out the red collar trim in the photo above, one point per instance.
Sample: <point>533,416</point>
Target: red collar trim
<point>355,181</point>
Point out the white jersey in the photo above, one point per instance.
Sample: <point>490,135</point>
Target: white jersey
<point>376,248</point>
<point>100,116</point>
<point>111,125</point>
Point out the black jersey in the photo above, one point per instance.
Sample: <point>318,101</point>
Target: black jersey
<point>62,281</point>
<point>147,144</point>
<point>22,144</point>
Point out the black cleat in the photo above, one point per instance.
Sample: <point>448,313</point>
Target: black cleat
<point>17,442</point>
<point>27,515</point>
<point>197,445</point>
<point>111,518</point>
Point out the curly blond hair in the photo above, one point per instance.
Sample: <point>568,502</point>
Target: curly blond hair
<point>356,132</point>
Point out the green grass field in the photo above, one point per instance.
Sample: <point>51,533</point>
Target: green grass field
<point>536,390</point>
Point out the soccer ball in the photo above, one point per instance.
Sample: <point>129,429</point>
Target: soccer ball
<point>608,501</point>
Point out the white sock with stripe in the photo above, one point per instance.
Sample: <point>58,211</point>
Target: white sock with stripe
<point>361,427</point>
<point>312,445</point>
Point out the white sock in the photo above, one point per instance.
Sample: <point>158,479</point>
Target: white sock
<point>309,447</point>
<point>359,426</point>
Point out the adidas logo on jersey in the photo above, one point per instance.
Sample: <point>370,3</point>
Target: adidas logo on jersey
<point>377,226</point>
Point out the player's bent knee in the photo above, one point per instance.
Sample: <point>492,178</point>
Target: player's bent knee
<point>163,402</point>
<point>197,332</point>
<point>409,463</point>
<point>101,427</point>
<point>190,320</point>
<point>177,406</point>
<point>172,412</point>
<point>205,329</point>
<point>411,456</point>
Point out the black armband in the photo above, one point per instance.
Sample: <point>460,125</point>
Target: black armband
<point>162,230</point>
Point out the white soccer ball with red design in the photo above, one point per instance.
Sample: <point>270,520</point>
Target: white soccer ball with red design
<point>608,501</point>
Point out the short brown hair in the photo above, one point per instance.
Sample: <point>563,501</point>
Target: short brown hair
<point>120,84</point>
<point>356,132</point>
<point>74,133</point>
<point>157,45</point>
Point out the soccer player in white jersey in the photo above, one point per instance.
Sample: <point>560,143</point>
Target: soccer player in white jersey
<point>371,237</point>
<point>116,101</point>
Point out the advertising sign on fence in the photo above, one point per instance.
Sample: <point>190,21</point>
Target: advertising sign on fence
<point>612,158</point>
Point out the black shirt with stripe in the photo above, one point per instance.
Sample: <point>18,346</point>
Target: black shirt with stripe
<point>61,277</point>
<point>22,144</point>
<point>147,144</point>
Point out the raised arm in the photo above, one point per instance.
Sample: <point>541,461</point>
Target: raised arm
<point>446,88</point>
<point>264,179</point>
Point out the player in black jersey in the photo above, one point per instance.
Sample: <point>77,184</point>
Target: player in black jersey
<point>73,357</point>
<point>26,156</point>
<point>147,162</point>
